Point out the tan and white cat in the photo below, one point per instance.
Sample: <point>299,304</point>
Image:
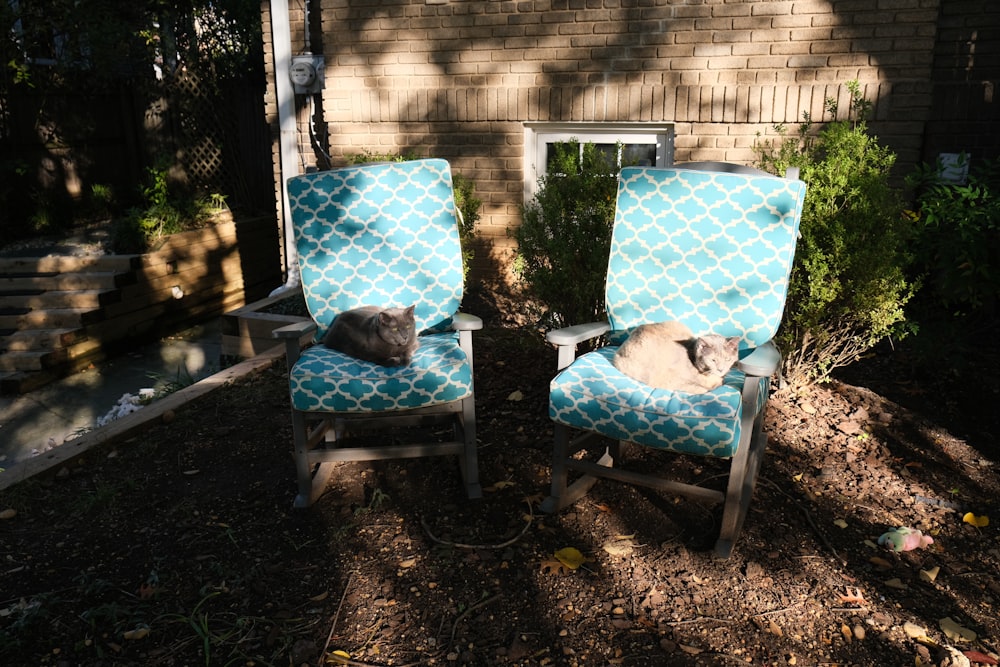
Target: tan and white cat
<point>666,355</point>
<point>385,336</point>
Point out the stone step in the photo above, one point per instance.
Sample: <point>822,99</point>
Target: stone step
<point>69,264</point>
<point>37,299</point>
<point>49,318</point>
<point>41,339</point>
<point>14,282</point>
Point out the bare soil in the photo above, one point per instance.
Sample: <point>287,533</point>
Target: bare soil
<point>181,547</point>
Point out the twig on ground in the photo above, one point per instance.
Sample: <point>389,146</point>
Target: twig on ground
<point>461,617</point>
<point>333,624</point>
<point>460,545</point>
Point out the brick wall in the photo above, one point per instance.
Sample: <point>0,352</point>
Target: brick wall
<point>458,78</point>
<point>965,109</point>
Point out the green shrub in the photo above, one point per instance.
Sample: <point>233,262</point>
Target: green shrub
<point>166,210</point>
<point>565,234</point>
<point>958,243</point>
<point>848,284</point>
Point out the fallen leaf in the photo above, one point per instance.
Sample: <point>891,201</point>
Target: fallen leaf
<point>979,657</point>
<point>497,486</point>
<point>619,547</point>
<point>338,658</point>
<point>954,631</point>
<point>8,514</point>
<point>693,650</point>
<point>896,583</point>
<point>319,598</point>
<point>930,574</point>
<point>138,633</point>
<point>516,395</point>
<point>977,521</point>
<point>553,567</point>
<point>913,630</point>
<point>840,523</point>
<point>853,597</point>
<point>570,557</point>
<point>880,563</point>
<point>846,631</point>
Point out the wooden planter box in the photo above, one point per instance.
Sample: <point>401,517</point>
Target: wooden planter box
<point>246,331</point>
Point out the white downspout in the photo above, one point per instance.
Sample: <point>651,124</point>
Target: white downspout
<point>281,40</point>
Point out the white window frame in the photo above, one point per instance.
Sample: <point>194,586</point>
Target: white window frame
<point>537,136</point>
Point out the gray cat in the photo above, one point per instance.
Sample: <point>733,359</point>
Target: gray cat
<point>666,355</point>
<point>386,336</point>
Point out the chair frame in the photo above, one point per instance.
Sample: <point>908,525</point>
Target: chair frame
<point>321,438</point>
<point>762,363</point>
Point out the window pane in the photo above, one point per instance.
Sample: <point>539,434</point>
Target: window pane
<point>639,155</point>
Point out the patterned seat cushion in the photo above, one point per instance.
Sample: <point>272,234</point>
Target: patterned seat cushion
<point>329,381</point>
<point>594,395</point>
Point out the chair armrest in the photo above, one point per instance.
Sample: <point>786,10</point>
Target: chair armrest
<point>292,335</point>
<point>466,322</point>
<point>577,333</point>
<point>762,362</point>
<point>294,330</point>
<point>567,339</point>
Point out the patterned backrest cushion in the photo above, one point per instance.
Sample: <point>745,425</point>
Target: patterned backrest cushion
<point>712,250</point>
<point>381,235</point>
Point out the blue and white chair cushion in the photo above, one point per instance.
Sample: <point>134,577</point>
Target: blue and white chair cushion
<point>329,381</point>
<point>593,395</point>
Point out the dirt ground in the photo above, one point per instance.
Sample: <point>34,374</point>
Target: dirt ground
<point>181,547</point>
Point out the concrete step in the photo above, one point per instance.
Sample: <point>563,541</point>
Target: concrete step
<point>37,299</point>
<point>49,318</point>
<point>41,339</point>
<point>14,282</point>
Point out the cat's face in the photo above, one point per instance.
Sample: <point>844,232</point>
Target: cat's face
<point>396,326</point>
<point>715,355</point>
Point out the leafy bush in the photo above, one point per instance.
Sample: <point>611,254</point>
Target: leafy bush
<point>167,210</point>
<point>958,245</point>
<point>565,235</point>
<point>848,284</point>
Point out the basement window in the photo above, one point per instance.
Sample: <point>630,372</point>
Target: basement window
<point>640,144</point>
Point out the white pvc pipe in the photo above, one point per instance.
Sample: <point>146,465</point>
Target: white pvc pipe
<point>281,41</point>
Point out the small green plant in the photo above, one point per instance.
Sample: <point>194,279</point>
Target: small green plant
<point>958,242</point>
<point>378,499</point>
<point>849,284</point>
<point>565,235</point>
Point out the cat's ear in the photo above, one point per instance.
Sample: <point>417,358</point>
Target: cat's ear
<point>409,311</point>
<point>733,343</point>
<point>384,318</point>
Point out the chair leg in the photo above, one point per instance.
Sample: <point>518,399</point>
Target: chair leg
<point>469,458</point>
<point>311,484</point>
<point>742,481</point>
<point>562,493</point>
